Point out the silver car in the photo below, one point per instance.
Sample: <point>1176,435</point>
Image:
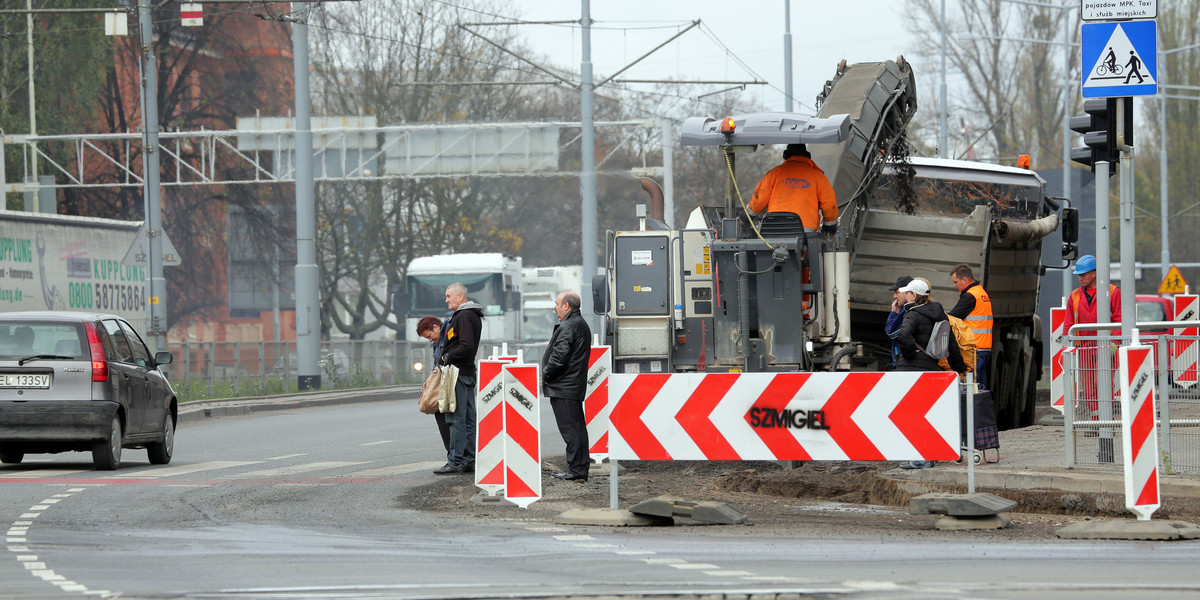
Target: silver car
<point>73,381</point>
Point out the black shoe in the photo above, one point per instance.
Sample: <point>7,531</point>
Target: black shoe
<point>449,469</point>
<point>571,477</point>
<point>469,468</point>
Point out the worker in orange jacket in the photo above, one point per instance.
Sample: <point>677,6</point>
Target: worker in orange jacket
<point>798,186</point>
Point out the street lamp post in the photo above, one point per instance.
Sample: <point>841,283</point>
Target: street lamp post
<point>1163,198</point>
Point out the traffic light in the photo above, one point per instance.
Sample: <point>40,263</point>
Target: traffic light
<point>1099,129</point>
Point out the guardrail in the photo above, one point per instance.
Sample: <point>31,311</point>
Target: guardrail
<point>1092,415</point>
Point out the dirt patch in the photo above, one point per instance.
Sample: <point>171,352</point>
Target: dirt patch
<point>847,497</point>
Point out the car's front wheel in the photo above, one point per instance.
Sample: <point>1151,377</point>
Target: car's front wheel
<point>160,452</point>
<point>11,457</point>
<point>106,453</point>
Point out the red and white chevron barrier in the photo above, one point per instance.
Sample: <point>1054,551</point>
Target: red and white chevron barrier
<point>1184,353</point>
<point>1139,435</point>
<point>1058,316</point>
<point>489,426</point>
<point>522,435</point>
<point>785,416</point>
<point>596,407</point>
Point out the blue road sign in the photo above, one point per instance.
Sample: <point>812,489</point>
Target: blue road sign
<point>1120,59</point>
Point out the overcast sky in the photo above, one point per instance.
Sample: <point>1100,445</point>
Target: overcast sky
<point>823,33</point>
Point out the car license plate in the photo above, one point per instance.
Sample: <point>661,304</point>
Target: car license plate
<point>25,380</point>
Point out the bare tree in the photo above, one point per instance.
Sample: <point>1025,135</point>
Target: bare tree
<point>1007,69</point>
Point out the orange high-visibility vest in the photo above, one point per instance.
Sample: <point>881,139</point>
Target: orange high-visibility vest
<point>980,318</point>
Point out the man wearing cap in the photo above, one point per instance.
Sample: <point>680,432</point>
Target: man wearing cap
<point>1082,308</point>
<point>975,308</point>
<point>798,186</point>
<point>896,317</point>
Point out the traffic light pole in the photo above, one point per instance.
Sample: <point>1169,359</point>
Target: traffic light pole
<point>1103,312</point>
<point>1128,226</point>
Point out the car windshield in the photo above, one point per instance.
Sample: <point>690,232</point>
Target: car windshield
<point>19,340</point>
<point>428,292</point>
<point>539,323</point>
<point>1150,311</point>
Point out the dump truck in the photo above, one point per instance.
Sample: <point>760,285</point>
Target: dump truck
<point>732,292</point>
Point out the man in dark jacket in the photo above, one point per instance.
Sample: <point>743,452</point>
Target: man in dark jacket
<point>564,381</point>
<point>459,349</point>
<point>920,314</point>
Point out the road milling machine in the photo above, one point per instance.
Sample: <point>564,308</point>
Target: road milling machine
<point>731,292</point>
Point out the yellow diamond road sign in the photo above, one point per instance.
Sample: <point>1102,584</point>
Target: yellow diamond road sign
<point>1173,283</point>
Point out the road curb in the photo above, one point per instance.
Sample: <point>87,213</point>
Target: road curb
<point>232,407</point>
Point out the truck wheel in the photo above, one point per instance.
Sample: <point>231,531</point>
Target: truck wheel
<point>160,452</point>
<point>106,453</point>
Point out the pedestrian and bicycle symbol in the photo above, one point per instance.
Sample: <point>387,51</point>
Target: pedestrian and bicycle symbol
<point>1120,59</point>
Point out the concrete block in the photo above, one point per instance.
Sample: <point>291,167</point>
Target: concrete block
<point>1130,530</point>
<point>960,505</point>
<point>671,506</point>
<point>607,517</point>
<point>949,523</point>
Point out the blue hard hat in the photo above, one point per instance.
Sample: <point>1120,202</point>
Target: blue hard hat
<point>1085,264</point>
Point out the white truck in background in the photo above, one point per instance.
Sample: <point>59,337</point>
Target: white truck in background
<point>61,262</point>
<point>542,286</point>
<point>492,279</point>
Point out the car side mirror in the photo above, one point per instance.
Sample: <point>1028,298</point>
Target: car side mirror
<point>600,294</point>
<point>163,358</point>
<point>1070,225</point>
<point>1070,252</point>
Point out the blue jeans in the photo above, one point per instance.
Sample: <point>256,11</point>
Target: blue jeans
<point>982,358</point>
<point>462,423</point>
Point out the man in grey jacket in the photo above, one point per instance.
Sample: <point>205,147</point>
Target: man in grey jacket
<point>564,381</point>
<point>459,349</point>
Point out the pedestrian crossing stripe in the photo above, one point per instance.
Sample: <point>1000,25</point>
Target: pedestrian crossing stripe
<point>1121,59</point>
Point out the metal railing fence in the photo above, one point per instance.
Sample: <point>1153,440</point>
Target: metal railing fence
<point>231,369</point>
<point>1092,419</point>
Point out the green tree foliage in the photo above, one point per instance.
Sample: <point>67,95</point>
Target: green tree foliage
<point>71,56</point>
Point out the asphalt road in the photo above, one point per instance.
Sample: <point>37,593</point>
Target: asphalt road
<point>311,503</point>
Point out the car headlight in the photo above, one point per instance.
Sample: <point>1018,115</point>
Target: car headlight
<point>418,366</point>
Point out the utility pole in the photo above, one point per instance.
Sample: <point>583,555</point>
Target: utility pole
<point>587,151</point>
<point>308,311</point>
<point>157,292</point>
<point>787,56</point>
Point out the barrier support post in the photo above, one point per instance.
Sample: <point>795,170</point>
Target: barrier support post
<point>1164,405</point>
<point>970,408</point>
<point>1069,376</point>
<point>612,483</point>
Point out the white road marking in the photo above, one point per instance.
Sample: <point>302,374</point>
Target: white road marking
<point>378,443</point>
<point>723,573</point>
<point>294,469</point>
<point>663,561</point>
<point>185,469</point>
<point>287,456</point>
<point>18,532</point>
<point>635,552</point>
<point>397,469</point>
<point>573,538</point>
<point>696,566</point>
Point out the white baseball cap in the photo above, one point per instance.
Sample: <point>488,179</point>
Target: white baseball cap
<point>917,287</point>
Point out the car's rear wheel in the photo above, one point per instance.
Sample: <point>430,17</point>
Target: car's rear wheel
<point>106,453</point>
<point>160,452</point>
<point>11,457</point>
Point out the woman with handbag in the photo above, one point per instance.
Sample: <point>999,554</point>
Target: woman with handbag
<point>433,329</point>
